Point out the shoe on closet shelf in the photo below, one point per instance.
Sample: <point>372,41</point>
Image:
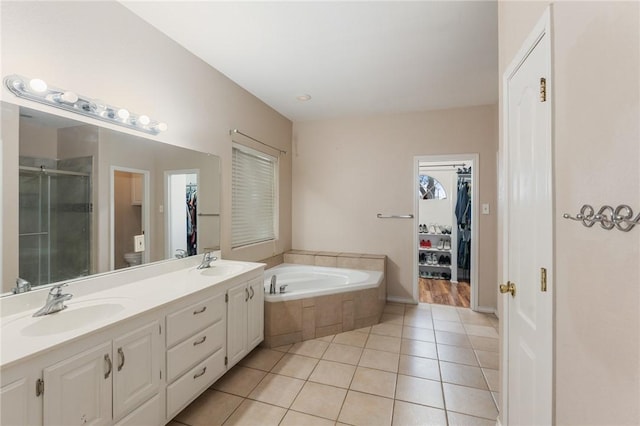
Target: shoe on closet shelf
<point>427,244</point>
<point>447,245</point>
<point>421,229</point>
<point>432,228</point>
<point>441,244</point>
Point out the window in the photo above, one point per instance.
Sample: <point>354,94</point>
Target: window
<point>431,189</point>
<point>253,197</point>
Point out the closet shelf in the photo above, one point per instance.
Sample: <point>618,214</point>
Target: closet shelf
<point>434,249</point>
<point>434,235</point>
<point>435,266</point>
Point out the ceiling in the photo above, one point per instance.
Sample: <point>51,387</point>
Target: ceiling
<point>353,58</point>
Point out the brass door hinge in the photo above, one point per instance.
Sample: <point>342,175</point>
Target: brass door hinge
<point>543,89</point>
<point>226,298</point>
<point>39,387</point>
<point>226,360</point>
<point>543,279</point>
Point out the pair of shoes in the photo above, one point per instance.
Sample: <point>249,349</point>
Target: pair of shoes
<point>440,245</point>
<point>444,260</point>
<point>425,243</point>
<point>433,228</point>
<point>446,276</point>
<point>422,258</point>
<point>447,245</point>
<point>445,229</point>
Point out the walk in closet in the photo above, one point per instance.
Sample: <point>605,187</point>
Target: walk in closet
<point>444,232</point>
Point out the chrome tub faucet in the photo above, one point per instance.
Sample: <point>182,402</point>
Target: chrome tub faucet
<point>55,301</point>
<point>206,260</point>
<point>272,287</point>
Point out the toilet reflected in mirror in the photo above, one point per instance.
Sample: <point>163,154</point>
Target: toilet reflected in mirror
<point>129,216</point>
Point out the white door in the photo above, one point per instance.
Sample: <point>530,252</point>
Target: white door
<point>528,240</point>
<point>237,323</point>
<point>78,390</point>
<point>255,313</point>
<point>137,368</point>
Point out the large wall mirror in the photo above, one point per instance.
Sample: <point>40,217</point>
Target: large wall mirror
<point>93,200</point>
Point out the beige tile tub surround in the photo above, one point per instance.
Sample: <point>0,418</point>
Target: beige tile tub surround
<point>305,319</point>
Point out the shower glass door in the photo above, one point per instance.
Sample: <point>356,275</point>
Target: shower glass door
<point>54,225</point>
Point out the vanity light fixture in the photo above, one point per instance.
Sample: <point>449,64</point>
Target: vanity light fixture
<point>37,90</point>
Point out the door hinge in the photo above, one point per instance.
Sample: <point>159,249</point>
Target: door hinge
<point>39,387</point>
<point>159,328</point>
<point>160,374</point>
<point>226,360</point>
<point>543,89</point>
<point>226,298</point>
<point>543,279</point>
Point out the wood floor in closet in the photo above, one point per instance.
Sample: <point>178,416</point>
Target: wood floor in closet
<point>445,292</point>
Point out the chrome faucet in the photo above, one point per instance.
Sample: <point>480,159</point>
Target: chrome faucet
<point>22,286</point>
<point>206,260</point>
<point>272,287</point>
<point>181,253</point>
<point>55,301</point>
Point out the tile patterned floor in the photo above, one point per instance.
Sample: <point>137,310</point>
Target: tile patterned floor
<point>422,365</point>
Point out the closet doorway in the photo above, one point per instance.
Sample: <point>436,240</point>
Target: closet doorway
<point>446,235</point>
<point>181,227</point>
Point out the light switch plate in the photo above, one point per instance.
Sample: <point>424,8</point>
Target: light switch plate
<point>485,208</point>
<point>138,243</point>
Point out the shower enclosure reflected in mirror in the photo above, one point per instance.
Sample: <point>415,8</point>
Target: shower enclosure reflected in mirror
<point>91,200</point>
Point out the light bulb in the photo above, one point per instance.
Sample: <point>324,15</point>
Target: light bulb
<point>123,114</point>
<point>38,85</point>
<point>67,97</point>
<point>144,120</point>
<point>162,127</point>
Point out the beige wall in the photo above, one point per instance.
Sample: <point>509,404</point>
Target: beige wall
<point>345,171</point>
<point>102,50</point>
<point>596,66</point>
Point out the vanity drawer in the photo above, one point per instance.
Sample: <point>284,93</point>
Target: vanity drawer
<point>195,349</point>
<point>192,383</point>
<point>187,321</point>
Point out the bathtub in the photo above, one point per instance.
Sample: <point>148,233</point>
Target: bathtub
<point>319,301</point>
<point>305,281</point>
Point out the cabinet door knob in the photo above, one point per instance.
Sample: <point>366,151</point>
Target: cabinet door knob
<point>204,370</point>
<point>121,357</point>
<point>204,308</point>
<point>199,342</point>
<point>109,366</point>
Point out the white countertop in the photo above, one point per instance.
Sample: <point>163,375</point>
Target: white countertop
<point>125,299</point>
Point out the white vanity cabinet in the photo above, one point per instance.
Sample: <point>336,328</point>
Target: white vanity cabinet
<point>196,337</point>
<point>14,399</point>
<point>106,382</point>
<point>245,317</point>
<point>79,389</point>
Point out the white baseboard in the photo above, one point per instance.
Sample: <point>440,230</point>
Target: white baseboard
<point>406,300</point>
<point>498,423</point>
<point>486,310</point>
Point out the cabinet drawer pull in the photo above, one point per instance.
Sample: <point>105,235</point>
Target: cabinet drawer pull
<point>246,291</point>
<point>199,342</point>
<point>121,358</point>
<point>109,366</point>
<point>204,308</point>
<point>252,292</point>
<point>204,370</point>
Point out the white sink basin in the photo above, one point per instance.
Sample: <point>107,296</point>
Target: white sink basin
<point>77,315</point>
<point>221,270</point>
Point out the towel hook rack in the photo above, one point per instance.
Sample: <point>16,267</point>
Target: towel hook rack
<point>621,217</point>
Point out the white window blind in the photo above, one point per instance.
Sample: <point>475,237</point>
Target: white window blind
<point>253,197</point>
